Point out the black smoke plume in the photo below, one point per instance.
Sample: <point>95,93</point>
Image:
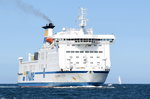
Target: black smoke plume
<point>30,9</point>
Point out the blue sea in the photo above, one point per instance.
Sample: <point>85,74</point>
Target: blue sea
<point>115,91</point>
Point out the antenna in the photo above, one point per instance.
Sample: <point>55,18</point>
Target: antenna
<point>82,17</point>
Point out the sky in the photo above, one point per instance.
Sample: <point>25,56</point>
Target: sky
<point>128,20</point>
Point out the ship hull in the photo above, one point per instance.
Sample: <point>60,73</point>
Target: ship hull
<point>66,78</point>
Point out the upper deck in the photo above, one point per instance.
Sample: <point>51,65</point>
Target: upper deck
<point>83,39</point>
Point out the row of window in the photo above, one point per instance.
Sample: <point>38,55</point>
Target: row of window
<point>84,51</point>
<point>85,62</point>
<point>85,40</point>
<point>84,57</point>
<point>87,45</point>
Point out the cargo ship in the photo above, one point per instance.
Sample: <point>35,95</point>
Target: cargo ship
<point>71,57</point>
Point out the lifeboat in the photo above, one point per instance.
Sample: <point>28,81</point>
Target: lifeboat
<point>50,40</point>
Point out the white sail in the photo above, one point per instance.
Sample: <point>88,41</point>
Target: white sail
<point>119,80</point>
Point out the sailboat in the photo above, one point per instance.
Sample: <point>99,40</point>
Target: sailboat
<point>119,80</point>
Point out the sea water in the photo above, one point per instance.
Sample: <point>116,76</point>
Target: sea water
<point>114,91</point>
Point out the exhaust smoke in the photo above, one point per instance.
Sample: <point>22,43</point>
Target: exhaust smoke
<point>30,9</point>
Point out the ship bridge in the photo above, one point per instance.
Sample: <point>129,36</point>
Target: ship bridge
<point>84,39</point>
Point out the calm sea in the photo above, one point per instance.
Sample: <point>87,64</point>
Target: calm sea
<point>124,91</point>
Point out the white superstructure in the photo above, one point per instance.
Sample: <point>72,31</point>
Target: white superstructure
<point>72,57</point>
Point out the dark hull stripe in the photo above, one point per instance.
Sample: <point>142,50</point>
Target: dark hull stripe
<point>55,72</point>
<point>52,84</point>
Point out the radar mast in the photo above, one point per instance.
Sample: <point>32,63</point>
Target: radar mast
<point>82,18</point>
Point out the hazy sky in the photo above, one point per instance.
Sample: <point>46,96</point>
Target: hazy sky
<point>129,20</point>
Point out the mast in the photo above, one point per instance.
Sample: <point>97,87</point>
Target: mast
<point>83,19</point>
